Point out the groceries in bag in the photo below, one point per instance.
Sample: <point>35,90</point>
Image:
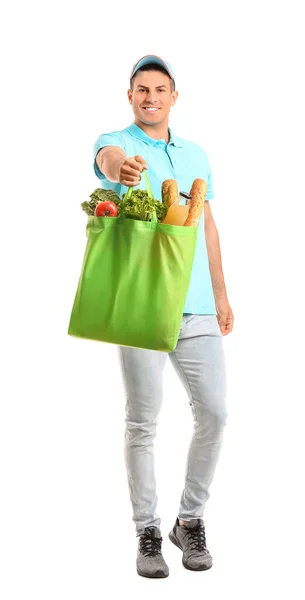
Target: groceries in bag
<point>187,214</point>
<point>140,205</point>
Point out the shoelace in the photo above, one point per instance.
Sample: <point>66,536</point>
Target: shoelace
<point>150,545</point>
<point>197,535</point>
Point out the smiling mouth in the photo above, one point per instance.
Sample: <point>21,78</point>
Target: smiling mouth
<point>150,109</point>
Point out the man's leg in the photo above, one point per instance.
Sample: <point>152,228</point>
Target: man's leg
<point>199,361</point>
<point>142,372</point>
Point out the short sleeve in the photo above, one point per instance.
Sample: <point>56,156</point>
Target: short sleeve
<point>210,190</point>
<point>107,139</point>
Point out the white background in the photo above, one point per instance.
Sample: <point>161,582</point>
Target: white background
<point>66,527</point>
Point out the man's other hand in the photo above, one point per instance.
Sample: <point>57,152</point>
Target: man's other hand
<point>225,317</point>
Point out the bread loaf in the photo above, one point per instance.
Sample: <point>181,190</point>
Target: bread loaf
<point>169,192</point>
<point>198,193</point>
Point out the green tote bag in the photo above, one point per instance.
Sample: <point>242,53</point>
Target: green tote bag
<point>134,281</point>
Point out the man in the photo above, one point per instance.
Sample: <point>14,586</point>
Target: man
<point>120,158</point>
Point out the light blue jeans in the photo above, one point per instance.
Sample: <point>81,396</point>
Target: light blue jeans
<point>199,362</point>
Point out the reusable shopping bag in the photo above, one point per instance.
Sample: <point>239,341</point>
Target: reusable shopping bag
<point>134,281</point>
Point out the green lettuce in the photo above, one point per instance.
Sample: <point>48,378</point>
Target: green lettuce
<point>99,195</point>
<point>140,207</point>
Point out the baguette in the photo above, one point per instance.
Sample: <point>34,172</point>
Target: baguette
<point>169,192</point>
<point>198,193</point>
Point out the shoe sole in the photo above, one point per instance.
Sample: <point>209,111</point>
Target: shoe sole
<point>174,540</point>
<point>156,575</point>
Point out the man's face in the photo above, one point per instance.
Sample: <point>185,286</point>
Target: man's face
<point>151,97</point>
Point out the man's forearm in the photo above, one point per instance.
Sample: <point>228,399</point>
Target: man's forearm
<point>109,161</point>
<point>215,264</point>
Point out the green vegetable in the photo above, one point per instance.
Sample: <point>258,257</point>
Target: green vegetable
<point>140,207</point>
<point>99,195</point>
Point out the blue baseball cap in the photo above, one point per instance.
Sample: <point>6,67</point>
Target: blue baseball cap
<point>151,59</point>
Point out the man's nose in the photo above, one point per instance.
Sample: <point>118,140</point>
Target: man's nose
<point>151,97</point>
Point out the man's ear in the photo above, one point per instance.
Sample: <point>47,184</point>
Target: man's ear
<point>129,95</point>
<point>174,98</point>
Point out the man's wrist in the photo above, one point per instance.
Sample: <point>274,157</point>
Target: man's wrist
<point>221,298</point>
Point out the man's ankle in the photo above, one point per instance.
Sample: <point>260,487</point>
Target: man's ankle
<point>185,523</point>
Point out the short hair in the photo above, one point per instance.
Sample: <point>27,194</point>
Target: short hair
<point>153,67</point>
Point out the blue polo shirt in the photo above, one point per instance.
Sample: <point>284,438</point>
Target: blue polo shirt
<point>183,161</point>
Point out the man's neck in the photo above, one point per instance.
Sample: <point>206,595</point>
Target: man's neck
<point>158,132</point>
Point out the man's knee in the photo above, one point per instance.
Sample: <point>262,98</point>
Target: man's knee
<point>211,407</point>
<point>141,422</point>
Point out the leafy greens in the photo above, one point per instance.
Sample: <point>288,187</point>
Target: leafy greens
<point>140,207</point>
<point>99,195</point>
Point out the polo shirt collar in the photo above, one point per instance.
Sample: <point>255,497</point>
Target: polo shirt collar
<point>137,132</point>
<point>178,142</point>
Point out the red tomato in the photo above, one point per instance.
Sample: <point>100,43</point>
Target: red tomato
<point>106,209</point>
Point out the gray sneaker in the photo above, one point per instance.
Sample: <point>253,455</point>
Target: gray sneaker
<point>150,562</point>
<point>191,540</point>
